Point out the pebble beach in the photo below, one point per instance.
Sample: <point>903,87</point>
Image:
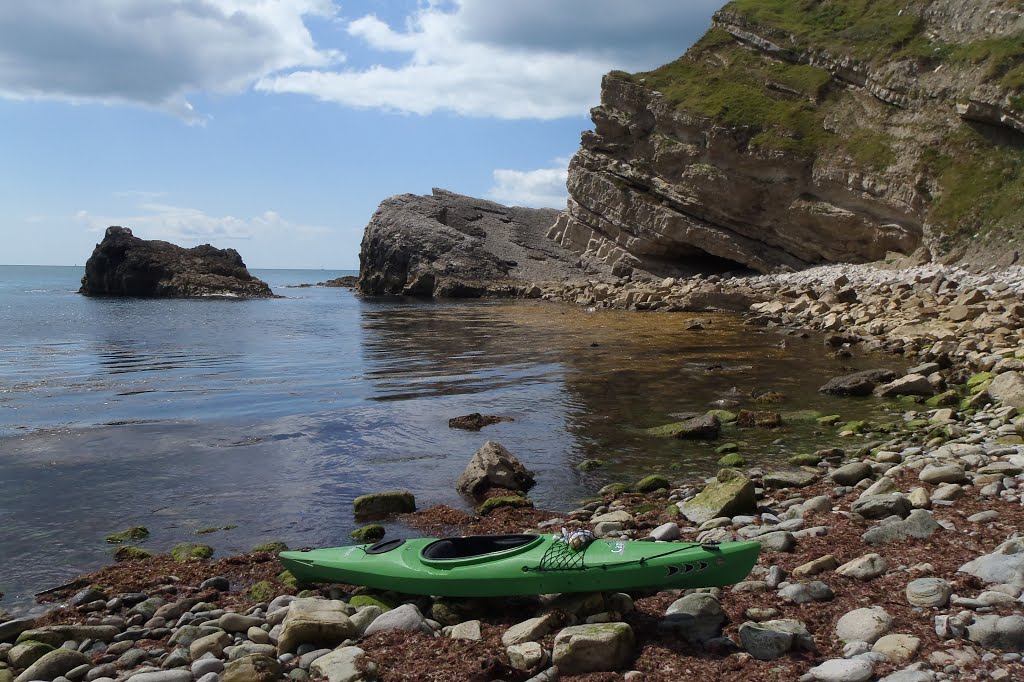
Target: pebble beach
<point>890,552</point>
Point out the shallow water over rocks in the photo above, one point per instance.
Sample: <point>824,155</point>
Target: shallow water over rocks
<point>274,415</point>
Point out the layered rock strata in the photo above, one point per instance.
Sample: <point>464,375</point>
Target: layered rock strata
<point>450,245</point>
<point>781,142</point>
<point>124,265</point>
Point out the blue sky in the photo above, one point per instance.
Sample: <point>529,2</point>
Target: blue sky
<point>276,127</point>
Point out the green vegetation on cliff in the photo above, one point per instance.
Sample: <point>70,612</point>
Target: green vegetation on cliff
<point>859,28</point>
<point>971,173</point>
<point>782,105</point>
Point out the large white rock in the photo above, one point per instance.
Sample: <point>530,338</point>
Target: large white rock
<point>595,647</point>
<point>1008,388</point>
<point>864,625</point>
<point>1004,565</point>
<point>339,665</point>
<point>492,466</point>
<point>843,670</point>
<point>315,621</point>
<point>406,617</point>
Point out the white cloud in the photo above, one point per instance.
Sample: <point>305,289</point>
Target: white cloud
<point>152,52</point>
<point>191,226</point>
<point>523,59</point>
<point>540,188</point>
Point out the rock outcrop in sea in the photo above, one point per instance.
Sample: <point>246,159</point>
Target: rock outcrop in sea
<point>125,265</point>
<point>450,245</point>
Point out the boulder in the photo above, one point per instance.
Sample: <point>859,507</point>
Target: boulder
<point>341,665</point>
<point>256,668</point>
<point>789,479</point>
<point>697,617</point>
<point>771,639</point>
<point>124,265</point>
<point>530,630</point>
<point>405,618</point>
<point>852,473</point>
<point>843,670</point>
<point>867,567</point>
<point>1004,565</point>
<point>28,652</point>
<point>315,621</point>
<point>858,383</point>
<point>596,647</point>
<point>9,630</point>
<point>919,525</point>
<point>449,245</point>
<point>1005,633</point>
<point>705,427</point>
<point>912,384</point>
<point>898,648</point>
<point>475,421</point>
<point>376,505</point>
<point>945,473</point>
<point>492,466</point>
<point>864,625</point>
<point>929,592</point>
<point>53,664</point>
<point>881,506</point>
<point>730,497</point>
<point>1008,388</point>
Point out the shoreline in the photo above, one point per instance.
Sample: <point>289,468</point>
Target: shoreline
<point>956,324</point>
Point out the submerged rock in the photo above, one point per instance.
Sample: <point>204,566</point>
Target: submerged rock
<point>124,265</point>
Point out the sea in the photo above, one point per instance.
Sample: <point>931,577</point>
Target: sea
<point>262,420</point>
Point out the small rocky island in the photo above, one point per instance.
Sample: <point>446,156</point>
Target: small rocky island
<point>124,265</point>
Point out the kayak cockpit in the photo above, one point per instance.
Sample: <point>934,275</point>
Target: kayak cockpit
<point>476,548</point>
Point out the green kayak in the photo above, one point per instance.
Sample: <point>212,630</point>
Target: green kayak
<point>509,565</point>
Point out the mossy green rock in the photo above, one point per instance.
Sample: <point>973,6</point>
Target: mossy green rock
<point>651,483</point>
<point>979,379</point>
<point>360,600</point>
<point>264,590</point>
<point>288,580</point>
<point>493,503</point>
<point>590,464</point>
<point>724,416</point>
<point>28,652</point>
<point>805,459</point>
<point>613,489</point>
<point>796,416</point>
<point>255,668</point>
<point>829,420</point>
<point>726,448</point>
<point>369,533</point>
<point>733,459</point>
<point>275,547</point>
<point>133,534</point>
<point>944,399</point>
<point>131,553</point>
<point>187,551</point>
<point>383,504</point>
<point>667,430</point>
<point>1009,440</point>
<point>858,426</point>
<point>722,498</point>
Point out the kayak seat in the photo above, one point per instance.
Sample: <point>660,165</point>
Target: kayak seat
<point>474,545</point>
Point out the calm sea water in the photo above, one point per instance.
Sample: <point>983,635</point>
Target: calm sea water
<point>273,415</point>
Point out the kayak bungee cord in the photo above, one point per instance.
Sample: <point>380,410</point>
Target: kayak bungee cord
<point>568,560</point>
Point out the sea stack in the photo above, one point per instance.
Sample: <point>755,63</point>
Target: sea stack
<point>124,265</point>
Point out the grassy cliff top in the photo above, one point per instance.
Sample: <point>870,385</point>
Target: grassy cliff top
<point>975,174</point>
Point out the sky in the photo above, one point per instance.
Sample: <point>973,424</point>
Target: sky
<point>276,127</point>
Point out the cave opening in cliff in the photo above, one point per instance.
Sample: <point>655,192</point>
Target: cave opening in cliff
<point>687,261</point>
